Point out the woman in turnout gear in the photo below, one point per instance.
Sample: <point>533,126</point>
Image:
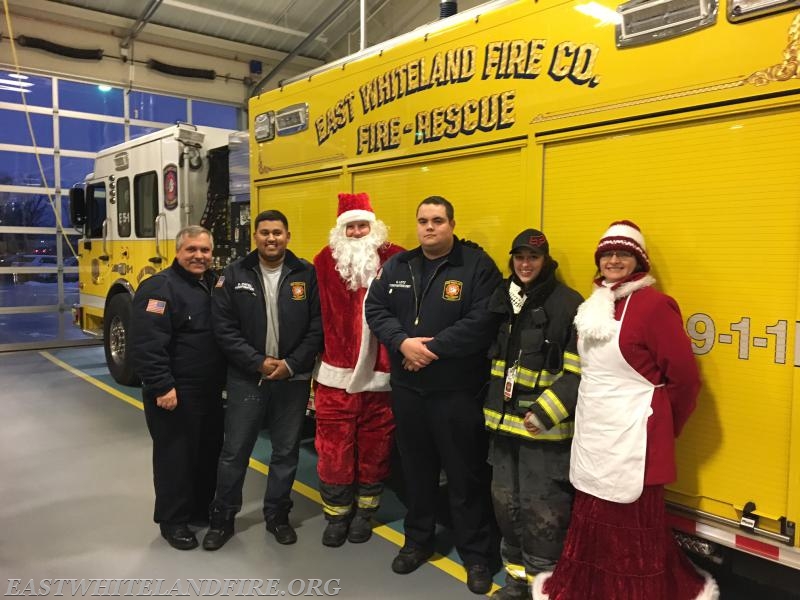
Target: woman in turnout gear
<point>528,411</point>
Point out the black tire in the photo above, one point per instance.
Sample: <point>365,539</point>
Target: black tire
<point>116,329</point>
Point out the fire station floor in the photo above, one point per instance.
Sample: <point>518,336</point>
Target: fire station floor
<point>77,502</point>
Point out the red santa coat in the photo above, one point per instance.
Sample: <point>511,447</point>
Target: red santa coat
<point>352,360</point>
<point>653,341</point>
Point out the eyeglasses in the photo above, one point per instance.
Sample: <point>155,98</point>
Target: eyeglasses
<point>617,253</point>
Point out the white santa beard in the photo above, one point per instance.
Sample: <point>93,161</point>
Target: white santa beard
<point>357,259</point>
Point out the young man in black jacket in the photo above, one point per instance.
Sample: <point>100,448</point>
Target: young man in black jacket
<point>429,307</point>
<point>183,372</point>
<point>267,321</point>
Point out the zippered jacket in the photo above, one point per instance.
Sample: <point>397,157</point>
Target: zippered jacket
<point>240,316</point>
<point>171,342</point>
<point>452,309</point>
<point>540,344</point>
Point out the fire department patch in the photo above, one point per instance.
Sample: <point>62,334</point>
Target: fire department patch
<point>298,290</point>
<point>452,290</point>
<point>156,306</point>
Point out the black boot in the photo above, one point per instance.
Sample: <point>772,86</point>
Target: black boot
<point>335,533</point>
<point>179,536</point>
<point>360,528</point>
<point>220,531</point>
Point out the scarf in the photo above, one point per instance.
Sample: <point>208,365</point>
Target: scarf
<point>595,317</point>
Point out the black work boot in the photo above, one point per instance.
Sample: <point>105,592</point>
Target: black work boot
<point>360,528</point>
<point>279,527</point>
<point>179,536</point>
<point>220,530</point>
<point>335,533</point>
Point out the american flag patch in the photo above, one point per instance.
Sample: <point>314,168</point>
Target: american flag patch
<point>156,306</point>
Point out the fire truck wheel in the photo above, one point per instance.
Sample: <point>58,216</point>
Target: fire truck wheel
<point>116,327</point>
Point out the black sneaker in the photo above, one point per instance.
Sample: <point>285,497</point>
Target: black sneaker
<point>479,579</point>
<point>179,536</point>
<point>360,530</point>
<point>335,533</point>
<point>409,559</point>
<point>283,532</point>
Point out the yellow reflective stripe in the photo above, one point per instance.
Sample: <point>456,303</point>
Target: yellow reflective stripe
<point>368,501</point>
<point>498,368</point>
<point>514,425</point>
<point>547,379</point>
<point>552,406</point>
<point>336,511</point>
<point>516,571</point>
<point>526,377</point>
<point>572,363</point>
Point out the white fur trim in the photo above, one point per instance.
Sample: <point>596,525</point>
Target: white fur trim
<point>537,587</point>
<point>625,231</point>
<point>595,317</point>
<point>350,216</point>
<point>363,377</point>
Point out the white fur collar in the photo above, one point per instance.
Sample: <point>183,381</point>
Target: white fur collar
<point>595,317</point>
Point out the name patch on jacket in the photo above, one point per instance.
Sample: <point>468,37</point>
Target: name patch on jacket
<point>156,307</point>
<point>298,290</point>
<point>243,285</point>
<point>402,284</point>
<point>452,290</point>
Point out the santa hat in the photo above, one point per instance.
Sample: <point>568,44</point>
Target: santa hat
<point>624,235</point>
<point>354,207</point>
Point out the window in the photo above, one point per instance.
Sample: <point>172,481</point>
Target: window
<point>145,188</point>
<point>91,98</point>
<point>15,129</point>
<point>95,209</point>
<point>155,107</point>
<point>21,168</point>
<point>214,114</point>
<point>124,207</point>
<point>74,170</point>
<point>38,90</point>
<point>91,136</point>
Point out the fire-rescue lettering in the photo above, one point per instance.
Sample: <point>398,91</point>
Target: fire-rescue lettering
<point>502,59</point>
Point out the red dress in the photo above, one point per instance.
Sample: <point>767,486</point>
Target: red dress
<point>625,549</point>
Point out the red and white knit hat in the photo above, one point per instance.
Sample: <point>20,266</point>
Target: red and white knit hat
<point>354,207</point>
<point>624,235</point>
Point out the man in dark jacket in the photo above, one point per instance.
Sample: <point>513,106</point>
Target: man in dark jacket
<point>267,321</point>
<point>429,307</point>
<point>183,373</point>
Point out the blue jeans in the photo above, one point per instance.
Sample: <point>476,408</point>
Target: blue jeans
<point>284,403</point>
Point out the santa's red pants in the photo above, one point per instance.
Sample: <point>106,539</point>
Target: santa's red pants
<point>354,441</point>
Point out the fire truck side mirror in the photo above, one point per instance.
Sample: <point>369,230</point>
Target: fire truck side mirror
<point>77,207</point>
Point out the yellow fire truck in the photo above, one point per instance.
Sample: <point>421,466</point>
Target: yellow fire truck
<point>681,115</point>
<point>130,209</point>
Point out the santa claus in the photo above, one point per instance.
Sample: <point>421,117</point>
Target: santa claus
<point>353,407</point>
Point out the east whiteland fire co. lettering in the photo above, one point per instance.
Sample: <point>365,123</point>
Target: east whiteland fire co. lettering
<point>515,59</point>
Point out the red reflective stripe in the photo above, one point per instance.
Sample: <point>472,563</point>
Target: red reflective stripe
<point>760,548</point>
<point>681,523</point>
